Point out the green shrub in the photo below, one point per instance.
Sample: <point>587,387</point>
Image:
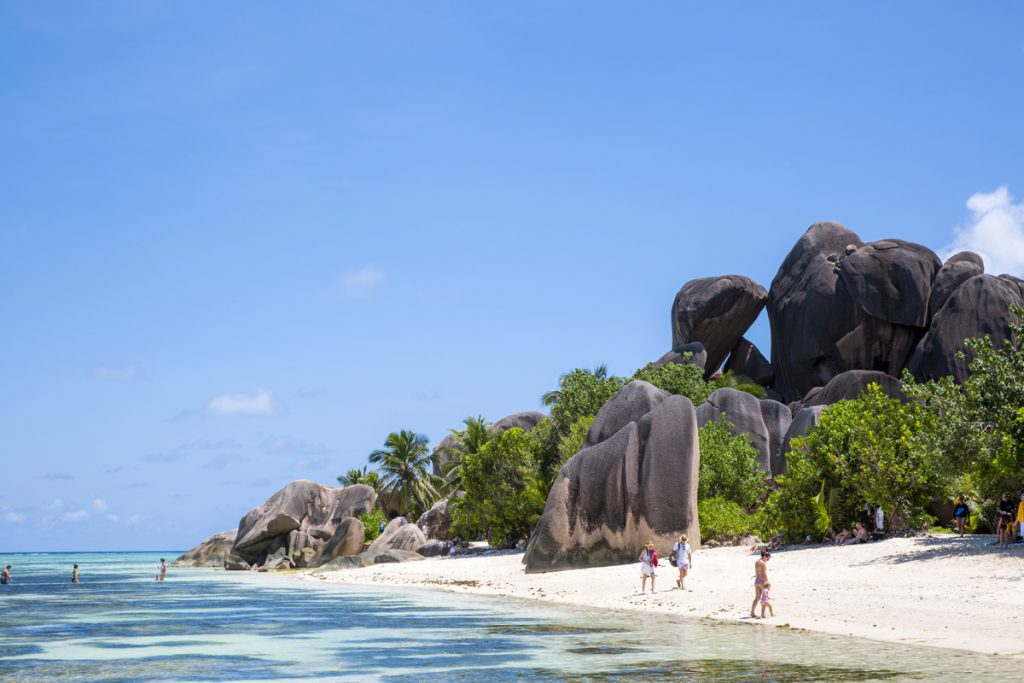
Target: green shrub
<point>371,524</point>
<point>723,520</point>
<point>677,378</point>
<point>571,444</point>
<point>728,466</point>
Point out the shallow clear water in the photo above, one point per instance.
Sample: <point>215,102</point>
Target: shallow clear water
<point>204,625</point>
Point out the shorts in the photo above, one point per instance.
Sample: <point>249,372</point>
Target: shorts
<point>646,569</point>
<point>684,565</point>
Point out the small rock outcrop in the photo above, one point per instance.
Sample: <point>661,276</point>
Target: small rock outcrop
<point>746,360</point>
<point>715,311</point>
<point>210,553</point>
<point>347,540</point>
<point>526,421</point>
<point>849,385</point>
<point>610,498</point>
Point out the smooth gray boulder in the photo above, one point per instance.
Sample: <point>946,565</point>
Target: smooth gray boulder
<point>304,506</point>
<point>398,535</point>
<point>891,280</point>
<point>526,421</point>
<point>979,306</point>
<point>279,564</point>
<point>697,356</point>
<point>958,269</point>
<point>434,548</point>
<point>396,555</point>
<point>777,419</point>
<point>235,563</point>
<point>346,541</point>
<point>212,552</point>
<point>437,521</point>
<point>715,311</point>
<point>746,360</point>
<point>629,404</point>
<point>802,423</point>
<point>346,562</point>
<point>743,411</point>
<point>610,498</point>
<point>849,385</point>
<point>444,455</point>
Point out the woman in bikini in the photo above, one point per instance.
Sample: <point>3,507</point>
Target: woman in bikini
<point>760,579</point>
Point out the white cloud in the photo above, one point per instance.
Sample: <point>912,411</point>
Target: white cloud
<point>259,403</point>
<point>100,505</point>
<point>57,504</point>
<point>116,373</point>
<point>995,231</point>
<point>14,517</point>
<point>76,516</point>
<point>359,283</point>
<point>112,518</point>
<point>135,519</point>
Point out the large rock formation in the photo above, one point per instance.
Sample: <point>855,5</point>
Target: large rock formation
<point>609,499</point>
<point>979,306</point>
<point>692,354</point>
<point>715,311</point>
<point>302,515</point>
<point>347,540</point>
<point>526,421</point>
<point>802,423</point>
<point>764,421</point>
<point>210,553</point>
<point>632,402</point>
<point>746,360</point>
<point>958,269</point>
<point>838,304</point>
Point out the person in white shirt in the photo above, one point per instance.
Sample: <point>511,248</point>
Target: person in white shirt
<point>684,560</point>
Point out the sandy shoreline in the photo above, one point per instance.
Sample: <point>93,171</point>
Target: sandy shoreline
<point>938,591</point>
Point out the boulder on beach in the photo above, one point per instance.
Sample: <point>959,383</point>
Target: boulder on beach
<point>437,521</point>
<point>434,548</point>
<point>347,540</point>
<point>396,555</point>
<point>399,534</point>
<point>235,563</point>
<point>715,311</point>
<point>347,562</point>
<point>610,498</point>
<point>210,553</point>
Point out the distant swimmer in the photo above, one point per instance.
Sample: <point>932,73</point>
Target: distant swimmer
<point>161,571</point>
<point>5,576</point>
<point>74,574</point>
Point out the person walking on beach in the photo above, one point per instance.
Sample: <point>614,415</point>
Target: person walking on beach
<point>648,563</point>
<point>684,560</point>
<point>1020,517</point>
<point>161,572</point>
<point>766,599</point>
<point>74,574</point>
<point>760,579</point>
<point>5,576</point>
<point>961,512</point>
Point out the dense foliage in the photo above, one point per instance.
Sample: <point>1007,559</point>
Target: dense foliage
<point>500,500</point>
<point>873,451</point>
<point>723,520</point>
<point>476,432</point>
<point>371,524</point>
<point>728,466</point>
<point>406,482</point>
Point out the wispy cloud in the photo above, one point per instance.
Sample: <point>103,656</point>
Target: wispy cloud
<point>284,445</point>
<point>360,283</point>
<point>14,517</point>
<point>58,476</point>
<point>219,462</point>
<point>117,373</point>
<point>76,516</point>
<point>260,403</point>
<point>100,505</point>
<point>995,231</point>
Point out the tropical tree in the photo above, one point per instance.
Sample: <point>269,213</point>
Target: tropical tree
<point>684,379</point>
<point>474,435</point>
<point>406,481</point>
<point>362,475</point>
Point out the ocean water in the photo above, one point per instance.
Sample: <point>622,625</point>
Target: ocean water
<point>205,625</point>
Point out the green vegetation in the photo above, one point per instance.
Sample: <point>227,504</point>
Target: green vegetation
<point>499,501</point>
<point>731,483</point>
<point>677,378</point>
<point>371,524</point>
<point>723,520</point>
<point>361,476</point>
<point>475,434</point>
<point>734,381</point>
<point>407,484</point>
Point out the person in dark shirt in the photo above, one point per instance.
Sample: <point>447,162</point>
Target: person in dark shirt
<point>1006,514</point>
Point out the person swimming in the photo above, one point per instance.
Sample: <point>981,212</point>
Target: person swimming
<point>5,576</point>
<point>74,574</point>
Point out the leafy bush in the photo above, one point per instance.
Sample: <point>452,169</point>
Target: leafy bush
<point>501,500</point>
<point>580,393</point>
<point>723,520</point>
<point>728,466</point>
<point>677,378</point>
<point>571,444</point>
<point>371,524</point>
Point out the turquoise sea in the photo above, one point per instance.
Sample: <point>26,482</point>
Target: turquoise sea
<point>205,625</point>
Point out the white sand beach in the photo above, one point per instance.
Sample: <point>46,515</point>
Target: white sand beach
<point>940,591</point>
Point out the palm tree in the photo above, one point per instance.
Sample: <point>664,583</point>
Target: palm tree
<point>404,463</point>
<point>552,397</point>
<point>471,439</point>
<point>353,476</point>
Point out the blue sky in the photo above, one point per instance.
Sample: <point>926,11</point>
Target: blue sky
<point>241,242</point>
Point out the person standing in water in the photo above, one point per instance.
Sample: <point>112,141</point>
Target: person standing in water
<point>161,570</point>
<point>5,576</point>
<point>74,574</point>
<point>760,579</point>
